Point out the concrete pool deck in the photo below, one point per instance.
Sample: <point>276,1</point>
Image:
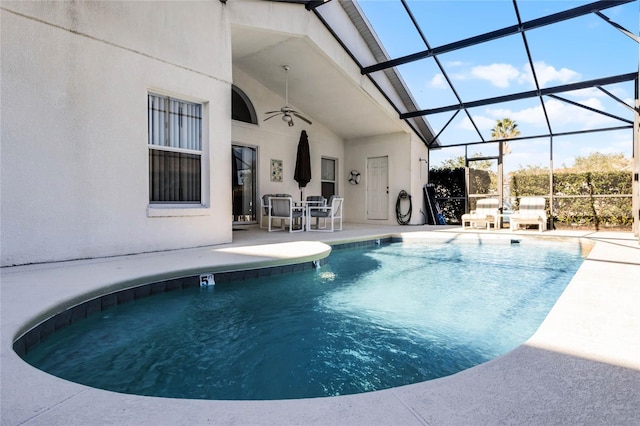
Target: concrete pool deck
<point>582,366</point>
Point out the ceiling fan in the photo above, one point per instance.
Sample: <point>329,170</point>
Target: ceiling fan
<point>287,113</point>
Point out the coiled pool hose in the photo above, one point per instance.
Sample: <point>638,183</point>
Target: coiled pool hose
<point>403,219</point>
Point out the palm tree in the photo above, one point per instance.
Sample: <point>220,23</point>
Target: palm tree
<point>505,129</point>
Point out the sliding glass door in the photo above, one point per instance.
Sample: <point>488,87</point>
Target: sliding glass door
<point>243,178</point>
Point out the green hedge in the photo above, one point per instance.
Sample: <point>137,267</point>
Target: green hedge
<point>585,211</point>
<point>593,212</point>
<point>525,184</point>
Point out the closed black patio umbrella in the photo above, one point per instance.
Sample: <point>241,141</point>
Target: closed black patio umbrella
<point>302,174</point>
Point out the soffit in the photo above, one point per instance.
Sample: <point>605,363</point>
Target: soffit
<point>317,87</point>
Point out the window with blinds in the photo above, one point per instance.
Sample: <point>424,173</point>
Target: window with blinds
<point>175,150</point>
<point>328,177</point>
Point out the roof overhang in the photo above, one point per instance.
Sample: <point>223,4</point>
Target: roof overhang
<point>326,85</point>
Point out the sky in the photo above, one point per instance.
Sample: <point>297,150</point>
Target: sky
<point>579,49</point>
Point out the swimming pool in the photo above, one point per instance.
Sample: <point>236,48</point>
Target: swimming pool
<point>368,320</point>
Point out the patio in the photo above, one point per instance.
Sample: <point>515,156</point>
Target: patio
<point>581,366</point>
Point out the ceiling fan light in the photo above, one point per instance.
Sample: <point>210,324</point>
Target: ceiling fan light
<point>291,123</point>
<point>287,118</point>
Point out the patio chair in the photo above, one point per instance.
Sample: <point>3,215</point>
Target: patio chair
<point>282,207</point>
<point>486,213</point>
<point>332,211</point>
<point>264,209</point>
<point>317,200</point>
<point>530,212</point>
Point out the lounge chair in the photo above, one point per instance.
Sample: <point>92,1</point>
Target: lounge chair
<point>486,213</point>
<point>530,212</point>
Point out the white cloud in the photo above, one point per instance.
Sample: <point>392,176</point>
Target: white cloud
<point>438,82</point>
<point>567,148</point>
<point>499,75</point>
<point>532,116</point>
<point>589,92</point>
<point>561,114</point>
<point>458,76</point>
<point>502,75</point>
<point>482,122</point>
<point>527,153</point>
<point>531,121</point>
<point>455,64</point>
<point>547,74</point>
<point>620,141</point>
<point>603,149</point>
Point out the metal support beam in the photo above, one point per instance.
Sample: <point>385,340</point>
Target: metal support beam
<point>423,137</point>
<point>435,138</point>
<point>590,108</point>
<point>444,74</point>
<point>614,97</point>
<point>541,136</point>
<point>503,32</point>
<point>635,183</point>
<point>525,95</point>
<point>533,68</point>
<point>619,27</point>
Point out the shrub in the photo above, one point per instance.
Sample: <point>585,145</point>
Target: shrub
<point>450,189</point>
<point>592,207</point>
<point>593,199</point>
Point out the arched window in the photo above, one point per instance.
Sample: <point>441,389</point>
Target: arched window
<point>241,107</point>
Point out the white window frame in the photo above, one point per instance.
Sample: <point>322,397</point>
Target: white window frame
<point>334,181</point>
<point>180,208</point>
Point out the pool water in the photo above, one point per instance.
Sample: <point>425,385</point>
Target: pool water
<point>370,319</point>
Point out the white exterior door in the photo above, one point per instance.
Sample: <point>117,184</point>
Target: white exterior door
<point>378,188</point>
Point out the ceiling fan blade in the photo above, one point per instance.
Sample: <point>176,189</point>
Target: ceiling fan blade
<point>286,112</point>
<point>275,115</point>
<point>301,117</point>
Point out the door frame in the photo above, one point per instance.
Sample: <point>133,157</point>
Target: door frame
<point>372,210</point>
<point>255,206</point>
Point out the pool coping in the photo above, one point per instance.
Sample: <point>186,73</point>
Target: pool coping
<point>581,366</point>
<point>69,312</point>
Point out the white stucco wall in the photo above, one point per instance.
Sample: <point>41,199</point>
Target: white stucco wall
<point>275,140</point>
<point>75,78</point>
<point>403,169</point>
<point>419,177</point>
<point>404,173</point>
